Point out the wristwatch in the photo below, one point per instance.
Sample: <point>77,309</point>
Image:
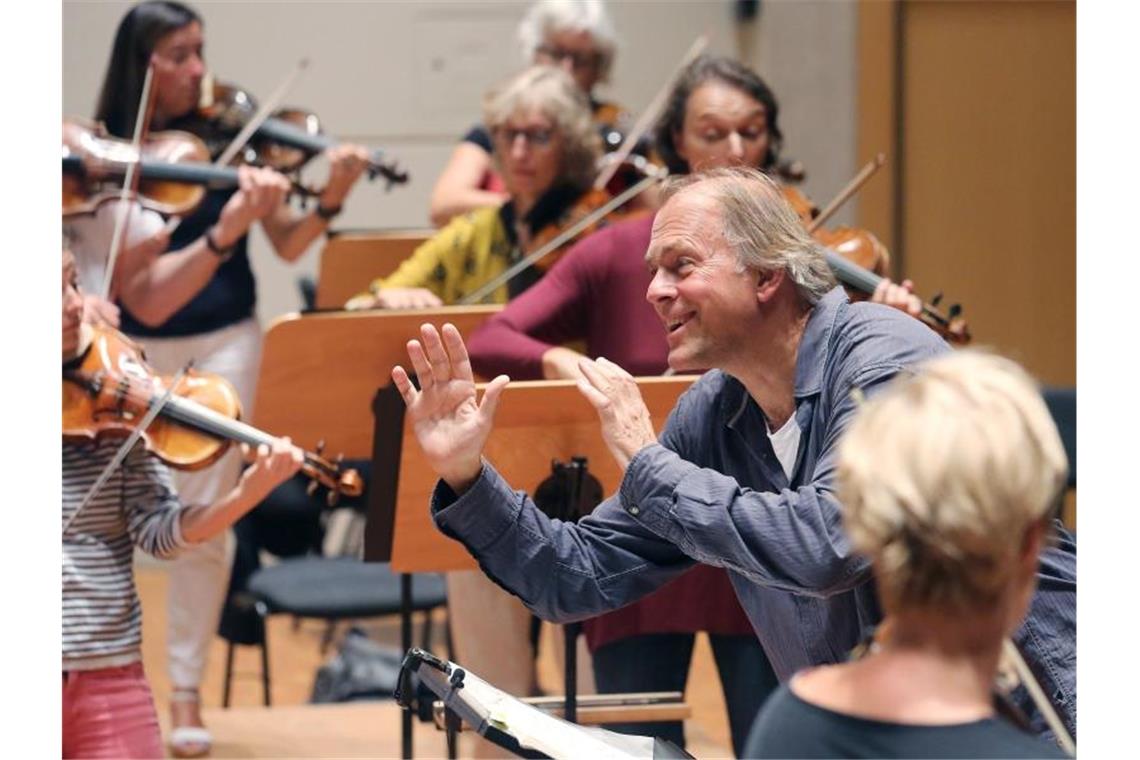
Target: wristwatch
<point>328,214</point>
<point>222,253</point>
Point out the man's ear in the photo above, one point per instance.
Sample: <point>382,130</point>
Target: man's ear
<point>767,283</point>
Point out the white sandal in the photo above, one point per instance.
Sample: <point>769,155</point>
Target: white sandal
<point>189,741</point>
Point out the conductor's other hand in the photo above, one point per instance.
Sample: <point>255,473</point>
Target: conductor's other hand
<point>626,425</point>
<point>449,423</point>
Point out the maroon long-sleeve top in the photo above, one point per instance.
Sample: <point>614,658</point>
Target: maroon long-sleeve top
<point>596,293</point>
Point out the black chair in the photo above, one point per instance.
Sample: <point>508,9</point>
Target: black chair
<point>1062,404</point>
<point>308,584</point>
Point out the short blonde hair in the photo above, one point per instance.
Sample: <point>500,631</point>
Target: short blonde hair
<point>552,92</point>
<point>761,227</point>
<point>941,476</point>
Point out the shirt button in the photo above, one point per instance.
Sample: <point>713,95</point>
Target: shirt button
<point>635,510</point>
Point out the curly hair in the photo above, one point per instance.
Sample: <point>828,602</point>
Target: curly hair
<point>551,91</point>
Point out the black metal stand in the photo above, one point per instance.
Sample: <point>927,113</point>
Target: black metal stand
<point>574,474</point>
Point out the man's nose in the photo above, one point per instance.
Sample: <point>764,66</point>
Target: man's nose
<point>660,288</point>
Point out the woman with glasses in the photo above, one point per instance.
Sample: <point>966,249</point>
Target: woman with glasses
<point>545,149</point>
<point>576,35</point>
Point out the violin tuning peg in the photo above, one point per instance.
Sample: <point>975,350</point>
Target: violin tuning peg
<point>955,310</point>
<point>320,447</point>
<point>937,299</point>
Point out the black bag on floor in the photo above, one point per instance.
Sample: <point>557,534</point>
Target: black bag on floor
<point>361,669</point>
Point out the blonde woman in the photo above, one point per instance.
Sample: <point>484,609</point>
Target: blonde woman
<point>949,482</point>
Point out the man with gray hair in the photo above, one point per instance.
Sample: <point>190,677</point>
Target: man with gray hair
<point>742,476</point>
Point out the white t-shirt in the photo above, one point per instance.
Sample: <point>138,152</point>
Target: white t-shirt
<point>91,239</point>
<point>786,444</point>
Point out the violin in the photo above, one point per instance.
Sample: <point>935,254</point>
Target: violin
<point>854,244</point>
<point>861,262</point>
<point>285,141</point>
<point>588,204</point>
<point>173,167</point>
<point>110,388</point>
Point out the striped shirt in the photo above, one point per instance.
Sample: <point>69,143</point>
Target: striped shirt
<point>137,506</point>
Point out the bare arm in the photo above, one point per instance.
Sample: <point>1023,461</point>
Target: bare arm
<point>457,189</point>
<point>271,468</point>
<point>292,234</point>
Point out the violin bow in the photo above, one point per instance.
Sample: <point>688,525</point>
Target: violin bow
<point>130,181</point>
<point>242,137</point>
<point>1025,675</point>
<point>650,114</point>
<point>848,191</point>
<point>126,446</point>
<point>561,239</point>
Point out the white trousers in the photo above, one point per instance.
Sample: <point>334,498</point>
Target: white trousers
<point>199,576</point>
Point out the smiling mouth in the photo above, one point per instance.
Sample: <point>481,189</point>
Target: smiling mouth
<point>673,325</point>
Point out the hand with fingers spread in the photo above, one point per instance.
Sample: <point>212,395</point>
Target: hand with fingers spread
<point>626,425</point>
<point>450,424</point>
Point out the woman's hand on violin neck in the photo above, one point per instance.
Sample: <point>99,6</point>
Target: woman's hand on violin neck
<point>260,193</point>
<point>346,164</point>
<point>272,466</point>
<point>450,424</point>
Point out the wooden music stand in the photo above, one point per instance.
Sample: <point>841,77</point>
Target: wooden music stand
<point>536,423</point>
<point>319,372</point>
<point>353,258</point>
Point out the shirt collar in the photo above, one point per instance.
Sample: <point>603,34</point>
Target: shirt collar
<point>816,342</point>
<point>811,359</point>
<point>548,209</point>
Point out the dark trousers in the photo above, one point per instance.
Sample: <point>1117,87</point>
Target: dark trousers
<point>660,662</point>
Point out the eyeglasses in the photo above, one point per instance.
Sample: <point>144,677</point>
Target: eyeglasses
<point>580,61</point>
<point>539,138</point>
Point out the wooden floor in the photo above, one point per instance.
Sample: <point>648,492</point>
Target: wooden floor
<point>293,728</point>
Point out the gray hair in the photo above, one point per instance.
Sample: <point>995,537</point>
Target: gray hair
<point>760,226</point>
<point>941,476</point>
<point>552,92</point>
<point>590,16</point>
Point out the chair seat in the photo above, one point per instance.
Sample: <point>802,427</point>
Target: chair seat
<point>341,587</point>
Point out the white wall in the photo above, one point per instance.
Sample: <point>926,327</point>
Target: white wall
<point>408,77</point>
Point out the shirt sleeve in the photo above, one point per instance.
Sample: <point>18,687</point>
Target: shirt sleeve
<point>478,135</point>
<point>561,571</point>
<point>431,265</point>
<point>153,511</point>
<point>548,314</point>
<point>791,539</point>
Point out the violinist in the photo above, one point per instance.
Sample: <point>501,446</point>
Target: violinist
<point>108,710</point>
<point>954,525</point>
<point>719,113</point>
<point>576,35</point>
<point>546,148</point>
<point>196,300</point>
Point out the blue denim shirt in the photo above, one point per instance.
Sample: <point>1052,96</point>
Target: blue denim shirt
<point>712,490</point>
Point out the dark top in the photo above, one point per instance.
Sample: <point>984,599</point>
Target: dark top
<point>790,727</point>
<point>228,297</point>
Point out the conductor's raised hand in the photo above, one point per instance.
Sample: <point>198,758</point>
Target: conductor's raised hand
<point>626,425</point>
<point>450,424</point>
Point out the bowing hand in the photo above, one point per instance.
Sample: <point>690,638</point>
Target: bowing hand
<point>450,424</point>
<point>626,425</point>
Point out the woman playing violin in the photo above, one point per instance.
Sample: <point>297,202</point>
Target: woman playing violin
<point>196,300</point>
<point>108,710</point>
<point>576,35</point>
<point>719,113</point>
<point>546,148</point>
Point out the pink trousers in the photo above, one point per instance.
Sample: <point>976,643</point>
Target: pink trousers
<point>109,713</point>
